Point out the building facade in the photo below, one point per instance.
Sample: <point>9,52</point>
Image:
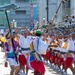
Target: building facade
<point>68,8</point>
<point>3,21</point>
<point>25,14</point>
<point>22,16</point>
<point>31,11</point>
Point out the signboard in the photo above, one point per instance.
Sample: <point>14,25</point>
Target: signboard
<point>35,13</point>
<point>31,15</point>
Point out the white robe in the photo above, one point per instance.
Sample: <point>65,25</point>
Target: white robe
<point>40,46</point>
<point>25,42</point>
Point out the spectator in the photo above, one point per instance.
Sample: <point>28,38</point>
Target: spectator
<point>73,18</point>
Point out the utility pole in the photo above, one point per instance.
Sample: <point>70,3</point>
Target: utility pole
<point>47,8</point>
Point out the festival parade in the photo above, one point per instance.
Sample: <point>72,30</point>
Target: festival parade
<point>37,37</point>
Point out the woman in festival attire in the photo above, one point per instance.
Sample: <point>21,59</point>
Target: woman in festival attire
<point>70,54</point>
<point>24,42</point>
<point>53,53</point>
<point>39,47</point>
<point>74,62</point>
<point>11,47</point>
<point>62,56</point>
<point>57,54</point>
<point>73,37</point>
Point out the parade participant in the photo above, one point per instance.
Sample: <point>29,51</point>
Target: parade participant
<point>39,47</point>
<point>69,56</point>
<point>63,55</point>
<point>24,42</point>
<point>57,50</point>
<point>73,37</point>
<point>10,51</point>
<point>53,42</point>
<point>46,55</point>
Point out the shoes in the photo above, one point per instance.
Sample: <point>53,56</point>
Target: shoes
<point>59,70</point>
<point>20,72</point>
<point>56,67</point>
<point>64,73</point>
<point>52,66</point>
<point>46,62</point>
<point>23,74</point>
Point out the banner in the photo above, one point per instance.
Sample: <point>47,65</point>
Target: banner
<point>31,16</point>
<point>35,13</point>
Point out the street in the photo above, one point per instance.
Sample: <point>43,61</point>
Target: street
<point>6,70</point>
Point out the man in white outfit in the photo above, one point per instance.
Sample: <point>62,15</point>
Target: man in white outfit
<point>24,42</point>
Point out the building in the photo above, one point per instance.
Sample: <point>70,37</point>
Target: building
<point>22,16</point>
<point>31,11</point>
<point>68,8</point>
<point>25,14</point>
<point>3,21</point>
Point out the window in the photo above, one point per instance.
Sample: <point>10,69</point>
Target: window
<point>20,12</point>
<point>22,0</point>
<point>4,2</point>
<point>67,4</point>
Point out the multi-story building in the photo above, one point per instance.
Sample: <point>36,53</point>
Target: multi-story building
<point>3,21</point>
<point>31,12</point>
<point>68,8</point>
<point>25,14</point>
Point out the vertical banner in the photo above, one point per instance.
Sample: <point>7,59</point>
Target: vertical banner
<point>32,16</point>
<point>35,13</point>
<point>35,17</point>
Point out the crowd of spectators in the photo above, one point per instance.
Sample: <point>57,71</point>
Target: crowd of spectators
<point>68,22</point>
